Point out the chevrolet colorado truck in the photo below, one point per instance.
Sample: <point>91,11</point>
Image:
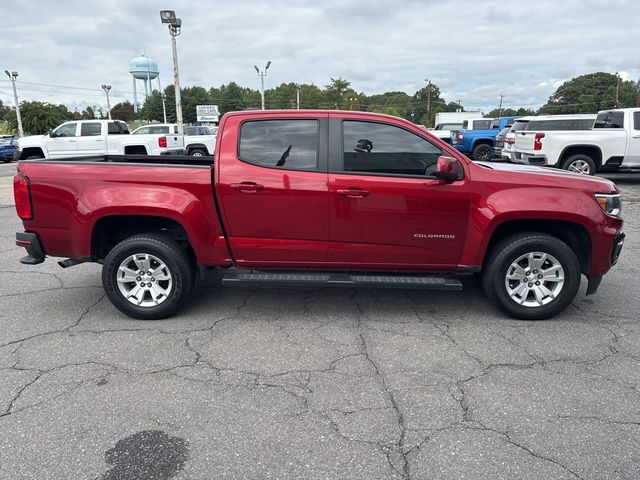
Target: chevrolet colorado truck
<point>96,137</point>
<point>322,198</point>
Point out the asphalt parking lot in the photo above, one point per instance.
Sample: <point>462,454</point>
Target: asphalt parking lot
<point>315,384</point>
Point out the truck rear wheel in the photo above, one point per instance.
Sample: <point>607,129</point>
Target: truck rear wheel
<point>482,153</point>
<point>148,276</point>
<point>197,152</point>
<point>531,276</point>
<point>580,163</point>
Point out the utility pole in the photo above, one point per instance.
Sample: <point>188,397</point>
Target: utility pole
<point>617,90</point>
<point>106,89</point>
<point>298,96</point>
<point>428,101</point>
<point>500,107</point>
<point>12,76</point>
<point>262,74</point>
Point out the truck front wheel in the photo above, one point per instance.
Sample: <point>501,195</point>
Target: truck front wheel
<point>482,153</point>
<point>531,276</point>
<point>148,276</point>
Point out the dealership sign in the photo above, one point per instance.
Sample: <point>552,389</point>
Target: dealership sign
<point>207,113</point>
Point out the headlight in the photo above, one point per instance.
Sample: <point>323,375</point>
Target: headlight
<point>610,203</point>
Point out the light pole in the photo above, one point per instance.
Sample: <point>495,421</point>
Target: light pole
<point>164,106</point>
<point>12,76</point>
<point>262,75</point>
<point>106,89</point>
<point>298,86</point>
<point>175,25</point>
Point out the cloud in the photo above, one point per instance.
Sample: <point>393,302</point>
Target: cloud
<point>473,50</point>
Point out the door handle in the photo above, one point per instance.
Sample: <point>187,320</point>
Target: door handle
<point>353,193</point>
<point>247,187</point>
<point>99,140</point>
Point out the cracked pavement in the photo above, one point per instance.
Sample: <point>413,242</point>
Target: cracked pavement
<point>307,383</point>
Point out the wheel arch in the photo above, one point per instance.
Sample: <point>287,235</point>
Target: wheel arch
<point>109,230</point>
<point>585,149</point>
<point>571,233</point>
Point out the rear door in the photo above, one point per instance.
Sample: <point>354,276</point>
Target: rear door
<point>632,158</point>
<point>92,139</point>
<point>272,185</point>
<point>387,209</point>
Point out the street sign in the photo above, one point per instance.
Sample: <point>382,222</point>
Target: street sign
<point>207,113</point>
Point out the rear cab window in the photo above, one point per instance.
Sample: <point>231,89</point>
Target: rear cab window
<point>117,128</point>
<point>90,129</point>
<point>609,120</point>
<point>282,144</point>
<point>519,125</point>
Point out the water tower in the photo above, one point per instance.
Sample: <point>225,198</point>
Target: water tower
<point>145,69</point>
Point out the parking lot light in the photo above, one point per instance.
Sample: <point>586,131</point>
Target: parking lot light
<point>12,76</point>
<point>106,89</point>
<point>262,75</point>
<point>175,28</point>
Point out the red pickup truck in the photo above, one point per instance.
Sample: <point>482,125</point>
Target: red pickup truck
<point>328,198</point>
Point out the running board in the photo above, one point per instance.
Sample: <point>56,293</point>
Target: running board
<point>303,279</point>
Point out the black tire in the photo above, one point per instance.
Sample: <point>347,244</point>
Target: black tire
<point>482,153</point>
<point>197,152</point>
<point>175,258</point>
<point>575,162</point>
<point>507,251</point>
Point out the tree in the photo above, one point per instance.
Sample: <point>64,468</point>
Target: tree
<point>590,93</point>
<point>88,113</point>
<point>231,98</point>
<point>122,111</point>
<point>38,117</point>
<point>191,97</point>
<point>3,111</point>
<point>335,91</point>
<point>508,112</point>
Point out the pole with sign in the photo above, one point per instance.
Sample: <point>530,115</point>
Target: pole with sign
<point>207,113</point>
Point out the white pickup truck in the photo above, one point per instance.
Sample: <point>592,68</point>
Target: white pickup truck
<point>198,140</point>
<point>96,137</point>
<point>612,143</point>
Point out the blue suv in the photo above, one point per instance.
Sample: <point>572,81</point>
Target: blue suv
<point>8,146</point>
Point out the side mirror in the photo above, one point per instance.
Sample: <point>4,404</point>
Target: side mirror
<point>448,169</point>
<point>51,134</point>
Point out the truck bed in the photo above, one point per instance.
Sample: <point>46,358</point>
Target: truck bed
<point>206,161</point>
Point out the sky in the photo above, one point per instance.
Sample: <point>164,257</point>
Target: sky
<point>474,50</point>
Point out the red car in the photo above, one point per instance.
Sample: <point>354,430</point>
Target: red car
<point>329,198</point>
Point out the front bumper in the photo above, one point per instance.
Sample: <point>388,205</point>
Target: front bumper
<point>31,243</point>
<point>617,248</point>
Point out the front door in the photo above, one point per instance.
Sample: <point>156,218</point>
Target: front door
<point>387,210</point>
<point>273,188</point>
<point>63,141</point>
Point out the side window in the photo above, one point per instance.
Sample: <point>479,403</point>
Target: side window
<point>90,129</point>
<point>141,130</point>
<point>164,129</point>
<point>609,120</point>
<point>636,120</point>
<point>120,128</point>
<point>66,130</point>
<point>386,149</point>
<point>286,144</point>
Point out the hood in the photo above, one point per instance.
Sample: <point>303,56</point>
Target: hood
<point>546,176</point>
<point>30,140</point>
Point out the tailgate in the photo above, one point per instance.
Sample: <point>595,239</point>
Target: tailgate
<point>524,141</point>
<point>175,141</point>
